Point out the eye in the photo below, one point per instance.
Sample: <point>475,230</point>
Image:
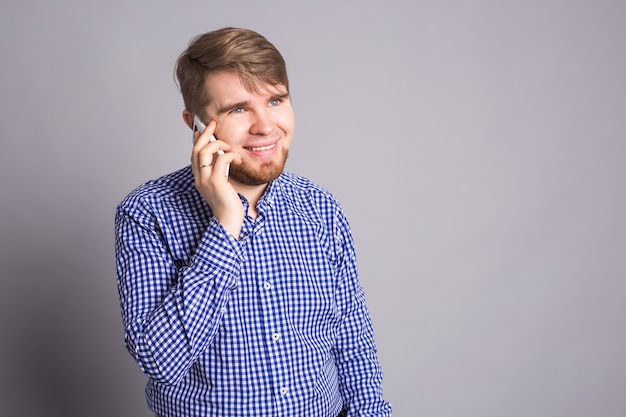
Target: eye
<point>275,102</point>
<point>237,110</point>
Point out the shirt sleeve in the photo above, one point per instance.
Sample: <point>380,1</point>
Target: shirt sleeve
<point>171,314</point>
<point>359,371</point>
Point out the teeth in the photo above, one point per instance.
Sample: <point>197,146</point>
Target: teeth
<point>261,148</point>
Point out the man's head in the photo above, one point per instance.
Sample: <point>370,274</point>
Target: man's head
<point>237,79</point>
<point>248,54</point>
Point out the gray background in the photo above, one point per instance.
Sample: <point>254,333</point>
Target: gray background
<point>477,146</point>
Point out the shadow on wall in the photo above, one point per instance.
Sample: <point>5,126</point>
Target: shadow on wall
<point>62,351</point>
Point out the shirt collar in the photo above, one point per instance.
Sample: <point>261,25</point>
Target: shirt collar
<point>267,199</point>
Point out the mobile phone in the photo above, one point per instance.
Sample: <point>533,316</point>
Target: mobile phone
<point>198,126</point>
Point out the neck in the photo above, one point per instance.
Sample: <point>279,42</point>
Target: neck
<point>252,193</point>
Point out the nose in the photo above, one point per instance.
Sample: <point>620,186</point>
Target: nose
<point>262,123</point>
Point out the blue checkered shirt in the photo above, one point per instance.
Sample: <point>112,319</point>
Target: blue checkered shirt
<point>273,323</point>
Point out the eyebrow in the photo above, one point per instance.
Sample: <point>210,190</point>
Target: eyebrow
<point>228,107</point>
<point>279,96</point>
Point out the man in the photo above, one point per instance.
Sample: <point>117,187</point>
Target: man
<point>239,292</point>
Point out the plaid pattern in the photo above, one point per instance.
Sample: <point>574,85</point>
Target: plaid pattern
<point>271,324</point>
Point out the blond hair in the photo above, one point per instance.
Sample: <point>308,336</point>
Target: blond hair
<point>245,52</point>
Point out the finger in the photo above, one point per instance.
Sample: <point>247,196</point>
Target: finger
<point>200,141</point>
<point>204,156</point>
<point>222,162</point>
<point>204,149</point>
<point>207,157</point>
<point>212,147</point>
<point>206,134</point>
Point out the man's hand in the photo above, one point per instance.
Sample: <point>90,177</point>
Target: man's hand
<point>208,171</point>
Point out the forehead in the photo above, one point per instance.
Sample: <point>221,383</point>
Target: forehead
<point>229,86</point>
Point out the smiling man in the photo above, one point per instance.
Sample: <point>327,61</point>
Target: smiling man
<point>239,292</point>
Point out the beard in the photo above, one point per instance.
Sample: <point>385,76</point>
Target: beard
<point>263,174</point>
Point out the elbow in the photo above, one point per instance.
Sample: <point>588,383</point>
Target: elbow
<point>165,372</point>
<point>166,379</point>
<point>165,375</point>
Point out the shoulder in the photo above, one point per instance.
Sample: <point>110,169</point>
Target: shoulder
<point>174,185</point>
<point>307,198</point>
<point>299,187</point>
<point>314,205</point>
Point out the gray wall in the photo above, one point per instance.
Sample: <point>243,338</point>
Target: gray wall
<point>477,146</point>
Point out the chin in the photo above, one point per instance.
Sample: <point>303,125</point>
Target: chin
<point>267,172</point>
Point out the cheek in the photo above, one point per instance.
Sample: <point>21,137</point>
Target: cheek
<point>231,131</point>
<point>287,121</point>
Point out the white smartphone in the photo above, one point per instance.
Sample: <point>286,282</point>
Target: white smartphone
<point>198,126</point>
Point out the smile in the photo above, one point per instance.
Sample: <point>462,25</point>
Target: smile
<point>262,148</point>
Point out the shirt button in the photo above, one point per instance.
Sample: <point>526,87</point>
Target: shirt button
<point>284,390</point>
<point>267,285</point>
<point>275,336</point>
<point>223,310</point>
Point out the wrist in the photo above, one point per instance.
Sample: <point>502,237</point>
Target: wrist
<point>232,225</point>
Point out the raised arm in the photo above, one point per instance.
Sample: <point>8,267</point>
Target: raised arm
<point>171,312</point>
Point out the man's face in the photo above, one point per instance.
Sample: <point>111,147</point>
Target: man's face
<point>258,126</point>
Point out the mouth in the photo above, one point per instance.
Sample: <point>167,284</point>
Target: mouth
<point>260,148</point>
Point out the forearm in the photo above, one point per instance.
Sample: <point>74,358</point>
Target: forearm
<point>359,371</point>
<point>166,342</point>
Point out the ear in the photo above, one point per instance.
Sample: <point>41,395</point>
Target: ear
<point>188,118</point>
